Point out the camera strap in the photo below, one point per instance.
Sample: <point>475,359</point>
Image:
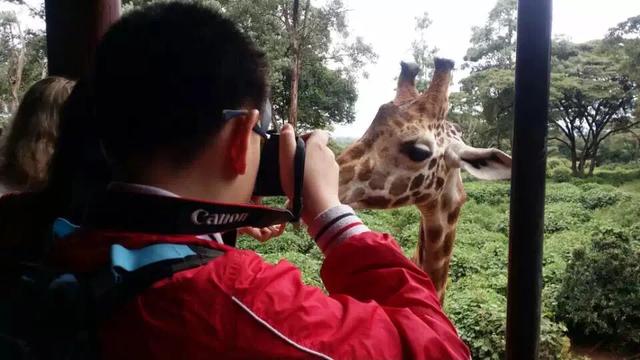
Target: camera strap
<point>157,214</point>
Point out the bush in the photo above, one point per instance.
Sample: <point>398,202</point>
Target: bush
<point>479,313</point>
<point>562,192</point>
<point>564,216</point>
<point>493,218</point>
<point>558,163</point>
<point>491,193</point>
<point>596,198</point>
<point>616,175</point>
<point>600,294</point>
<point>560,174</point>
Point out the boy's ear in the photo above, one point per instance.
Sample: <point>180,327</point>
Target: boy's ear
<point>238,145</point>
<point>484,164</point>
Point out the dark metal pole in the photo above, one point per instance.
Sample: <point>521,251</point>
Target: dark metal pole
<point>74,28</point>
<point>528,178</point>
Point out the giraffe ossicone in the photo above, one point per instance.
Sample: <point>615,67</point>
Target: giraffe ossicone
<point>411,155</point>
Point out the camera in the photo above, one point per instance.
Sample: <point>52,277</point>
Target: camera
<point>268,182</point>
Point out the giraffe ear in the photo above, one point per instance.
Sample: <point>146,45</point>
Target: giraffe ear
<point>485,164</point>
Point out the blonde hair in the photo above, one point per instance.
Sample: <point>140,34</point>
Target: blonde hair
<point>28,145</point>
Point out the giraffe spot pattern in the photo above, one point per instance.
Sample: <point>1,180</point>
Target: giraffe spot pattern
<point>453,216</point>
<point>434,233</point>
<point>346,174</point>
<point>377,201</point>
<point>399,186</point>
<point>364,173</point>
<point>432,163</point>
<point>357,194</point>
<point>417,182</point>
<point>357,151</point>
<point>378,181</point>
<point>439,183</point>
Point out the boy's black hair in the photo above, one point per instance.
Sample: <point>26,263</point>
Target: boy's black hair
<point>163,76</point>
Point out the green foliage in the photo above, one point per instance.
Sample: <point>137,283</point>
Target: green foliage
<point>591,99</point>
<point>600,294</point>
<point>559,169</point>
<point>423,52</point>
<point>480,316</point>
<point>596,198</point>
<point>565,216</point>
<point>332,61</point>
<point>491,193</point>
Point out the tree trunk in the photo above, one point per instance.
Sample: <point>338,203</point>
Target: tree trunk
<point>593,164</point>
<point>295,66</point>
<point>574,162</point>
<point>15,77</point>
<point>295,75</point>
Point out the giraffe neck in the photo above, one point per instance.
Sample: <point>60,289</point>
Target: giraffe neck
<point>438,222</point>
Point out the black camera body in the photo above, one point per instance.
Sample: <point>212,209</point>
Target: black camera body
<point>268,182</point>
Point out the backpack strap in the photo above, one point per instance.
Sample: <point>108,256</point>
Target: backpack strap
<point>133,271</point>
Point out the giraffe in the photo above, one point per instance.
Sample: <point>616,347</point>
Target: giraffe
<point>411,155</point>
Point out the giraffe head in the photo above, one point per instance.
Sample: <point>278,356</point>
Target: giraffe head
<point>410,154</point>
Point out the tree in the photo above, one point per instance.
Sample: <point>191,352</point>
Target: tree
<point>591,100</point>
<point>491,58</point>
<point>626,37</point>
<point>13,43</point>
<point>329,63</point>
<point>423,54</point>
<point>463,112</point>
<point>22,59</point>
<point>494,44</point>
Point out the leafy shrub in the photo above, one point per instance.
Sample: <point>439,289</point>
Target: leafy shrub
<point>485,253</point>
<point>562,192</point>
<point>626,213</point>
<point>617,174</point>
<point>479,314</point>
<point>553,342</point>
<point>600,294</point>
<point>563,216</point>
<point>493,218</point>
<point>560,174</point>
<point>557,162</point>
<point>491,193</point>
<point>596,198</point>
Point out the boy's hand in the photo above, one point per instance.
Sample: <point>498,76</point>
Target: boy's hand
<point>263,234</point>
<point>321,172</point>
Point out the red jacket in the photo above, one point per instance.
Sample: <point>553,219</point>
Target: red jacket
<point>379,306</point>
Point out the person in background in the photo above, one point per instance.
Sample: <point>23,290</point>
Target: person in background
<point>27,146</point>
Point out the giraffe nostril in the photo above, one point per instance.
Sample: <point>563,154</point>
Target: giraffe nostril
<point>416,151</point>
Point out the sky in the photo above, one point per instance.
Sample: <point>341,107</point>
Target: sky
<point>389,26</point>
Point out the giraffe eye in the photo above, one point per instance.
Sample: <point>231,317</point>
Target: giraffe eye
<point>415,151</point>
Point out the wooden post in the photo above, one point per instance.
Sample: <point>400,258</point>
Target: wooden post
<point>74,28</point>
<point>528,178</point>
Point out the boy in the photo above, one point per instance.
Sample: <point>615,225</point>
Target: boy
<point>164,77</point>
